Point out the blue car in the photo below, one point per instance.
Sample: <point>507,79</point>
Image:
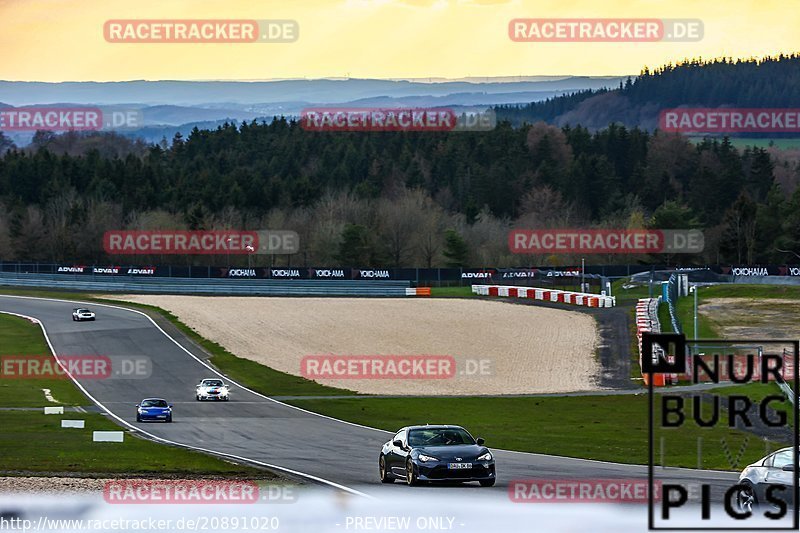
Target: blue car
<point>154,409</point>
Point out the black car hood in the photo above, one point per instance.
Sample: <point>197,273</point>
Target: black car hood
<point>467,452</point>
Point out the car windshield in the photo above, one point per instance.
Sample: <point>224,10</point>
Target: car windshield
<point>154,403</point>
<point>83,310</point>
<point>439,437</point>
<point>212,383</point>
<point>783,458</point>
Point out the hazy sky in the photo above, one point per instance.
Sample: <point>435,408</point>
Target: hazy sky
<point>58,40</point>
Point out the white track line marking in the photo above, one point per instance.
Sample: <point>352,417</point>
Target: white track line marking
<point>49,396</point>
<point>174,443</point>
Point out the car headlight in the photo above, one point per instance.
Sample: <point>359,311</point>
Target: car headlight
<point>140,410</point>
<point>425,458</point>
<point>485,457</point>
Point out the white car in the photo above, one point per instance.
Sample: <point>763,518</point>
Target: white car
<point>212,389</point>
<point>80,313</point>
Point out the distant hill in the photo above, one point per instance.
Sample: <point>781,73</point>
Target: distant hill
<point>225,93</point>
<point>170,107</point>
<point>766,82</point>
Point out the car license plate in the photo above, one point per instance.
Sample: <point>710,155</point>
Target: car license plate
<point>459,466</point>
<point>162,416</point>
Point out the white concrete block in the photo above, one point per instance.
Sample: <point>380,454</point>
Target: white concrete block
<point>107,436</point>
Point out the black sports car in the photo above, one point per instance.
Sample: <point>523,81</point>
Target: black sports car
<point>436,453</point>
<point>768,481</point>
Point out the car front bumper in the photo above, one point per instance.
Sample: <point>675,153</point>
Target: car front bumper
<point>205,396</point>
<point>440,472</point>
<point>159,416</point>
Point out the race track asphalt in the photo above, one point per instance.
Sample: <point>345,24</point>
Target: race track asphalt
<point>256,428</point>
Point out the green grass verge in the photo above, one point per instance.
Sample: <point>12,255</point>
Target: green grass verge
<point>22,339</point>
<point>32,441</point>
<point>755,391</point>
<point>635,292</point>
<point>684,310</point>
<point>609,428</point>
<point>452,292</point>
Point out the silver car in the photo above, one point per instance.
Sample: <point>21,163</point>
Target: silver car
<point>768,482</point>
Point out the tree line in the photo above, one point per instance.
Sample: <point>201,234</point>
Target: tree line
<point>768,82</point>
<point>398,198</point>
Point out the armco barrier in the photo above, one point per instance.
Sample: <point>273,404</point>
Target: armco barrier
<point>546,295</point>
<point>217,286</point>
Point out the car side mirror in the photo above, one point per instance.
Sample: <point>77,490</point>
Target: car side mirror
<point>480,441</point>
<point>788,468</point>
<point>170,405</point>
<point>398,443</point>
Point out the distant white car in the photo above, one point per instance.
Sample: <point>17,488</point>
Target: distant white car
<point>212,389</point>
<point>80,313</point>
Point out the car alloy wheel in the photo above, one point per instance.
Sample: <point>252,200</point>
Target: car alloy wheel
<point>385,477</point>
<point>411,476</point>
<point>169,418</point>
<point>487,482</point>
<point>138,418</point>
<point>746,498</point>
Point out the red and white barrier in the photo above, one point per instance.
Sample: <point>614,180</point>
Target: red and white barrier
<point>418,291</point>
<point>546,295</point>
<point>647,321</point>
